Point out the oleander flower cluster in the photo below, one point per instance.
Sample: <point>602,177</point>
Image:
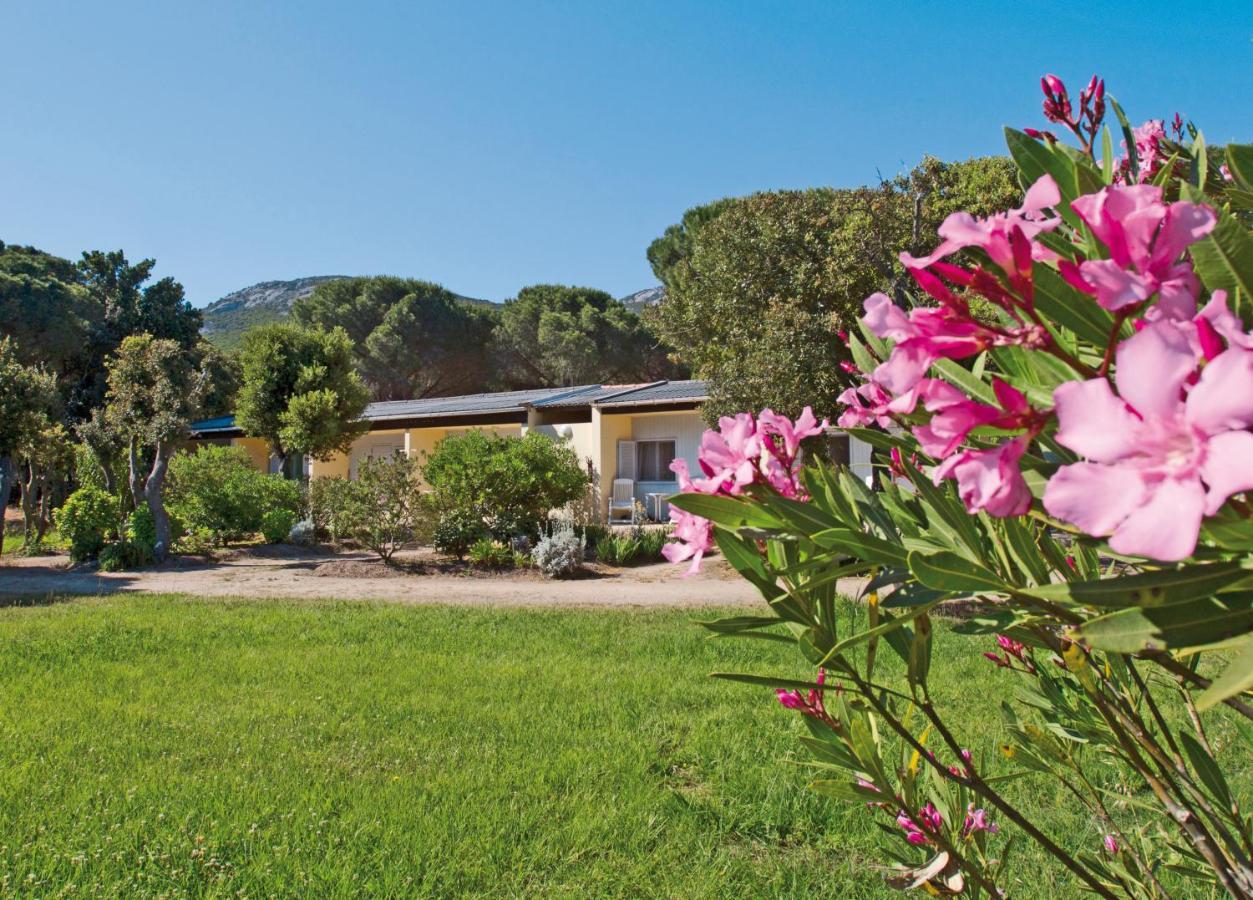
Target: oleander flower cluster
<point>1062,412</point>
<point>742,452</point>
<point>1163,433</point>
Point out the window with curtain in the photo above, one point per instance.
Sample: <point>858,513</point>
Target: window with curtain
<point>652,460</point>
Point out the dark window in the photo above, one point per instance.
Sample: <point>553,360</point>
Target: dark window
<point>838,449</point>
<point>652,460</point>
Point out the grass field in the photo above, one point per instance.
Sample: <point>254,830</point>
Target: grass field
<point>171,746</point>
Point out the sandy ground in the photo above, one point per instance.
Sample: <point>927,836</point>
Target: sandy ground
<point>287,572</point>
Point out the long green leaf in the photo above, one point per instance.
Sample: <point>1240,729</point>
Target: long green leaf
<point>1035,159</point>
<point>1194,624</point>
<point>1240,164</point>
<point>1223,259</point>
<point>1147,588</point>
<point>1071,308</point>
<point>726,511</point>
<point>949,572</point>
<point>860,545</point>
<point>886,627</point>
<point>1236,678</point>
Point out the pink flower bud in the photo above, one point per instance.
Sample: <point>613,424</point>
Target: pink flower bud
<point>1111,844</point>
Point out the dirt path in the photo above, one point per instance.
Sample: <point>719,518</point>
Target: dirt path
<point>290,573</point>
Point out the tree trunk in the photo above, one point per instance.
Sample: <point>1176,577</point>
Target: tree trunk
<point>156,505</point>
<point>106,466</point>
<point>136,477</point>
<point>28,487</point>
<point>43,520</point>
<point>6,484</point>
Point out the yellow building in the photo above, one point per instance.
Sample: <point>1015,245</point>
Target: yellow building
<point>628,433</point>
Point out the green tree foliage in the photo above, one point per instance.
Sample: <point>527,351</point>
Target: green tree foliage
<point>45,310</point>
<point>71,317</point>
<point>151,399</point>
<point>553,335</point>
<point>508,484</point>
<point>216,491</point>
<point>410,338</point>
<point>221,376</point>
<point>300,390</point>
<point>27,397</point>
<point>758,286</point>
<point>125,305</point>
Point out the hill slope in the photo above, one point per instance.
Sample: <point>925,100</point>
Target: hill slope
<point>226,320</point>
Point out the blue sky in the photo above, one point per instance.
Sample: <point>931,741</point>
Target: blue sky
<point>492,145</point>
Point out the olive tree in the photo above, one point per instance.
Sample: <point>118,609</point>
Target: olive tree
<point>152,397</point>
<point>26,394</point>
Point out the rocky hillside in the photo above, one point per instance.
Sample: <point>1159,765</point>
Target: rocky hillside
<point>227,319</point>
<point>641,300</point>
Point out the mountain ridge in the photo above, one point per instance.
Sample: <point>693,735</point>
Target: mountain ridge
<point>226,319</point>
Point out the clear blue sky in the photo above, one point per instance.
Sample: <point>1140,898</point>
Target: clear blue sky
<point>490,145</point>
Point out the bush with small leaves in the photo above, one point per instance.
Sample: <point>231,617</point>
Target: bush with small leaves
<point>559,554</point>
<point>457,531</point>
<point>276,525</point>
<point>141,531</point>
<point>218,490</point>
<point>302,534</point>
<point>121,556</point>
<point>87,519</point>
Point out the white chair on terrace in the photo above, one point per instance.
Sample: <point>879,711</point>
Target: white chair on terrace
<point>622,499</point>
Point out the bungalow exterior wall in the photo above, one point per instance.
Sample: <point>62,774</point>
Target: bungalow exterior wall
<point>615,433</point>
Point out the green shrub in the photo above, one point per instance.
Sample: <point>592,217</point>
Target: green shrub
<point>119,556</point>
<point>490,554</point>
<point>651,541</point>
<point>216,489</point>
<point>330,501</point>
<point>457,530</point>
<point>618,549</point>
<point>141,531</point>
<point>636,546</point>
<point>384,508</point>
<point>276,525</point>
<point>509,483</point>
<point>87,520</point>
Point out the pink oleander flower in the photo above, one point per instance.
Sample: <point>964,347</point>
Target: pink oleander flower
<point>1158,459</point>
<point>741,452</point>
<point>1220,324</point>
<point>1150,155</point>
<point>693,535</point>
<point>977,820</point>
<point>995,234</point>
<point>990,480</point>
<point>922,336</point>
<point>956,415</point>
<point>1111,845</point>
<point>730,454</point>
<point>1056,99</point>
<point>1146,238</point>
<point>1009,645</point>
<point>809,704</point>
<point>917,829</point>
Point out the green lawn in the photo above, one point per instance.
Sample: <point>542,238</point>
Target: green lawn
<point>167,745</point>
